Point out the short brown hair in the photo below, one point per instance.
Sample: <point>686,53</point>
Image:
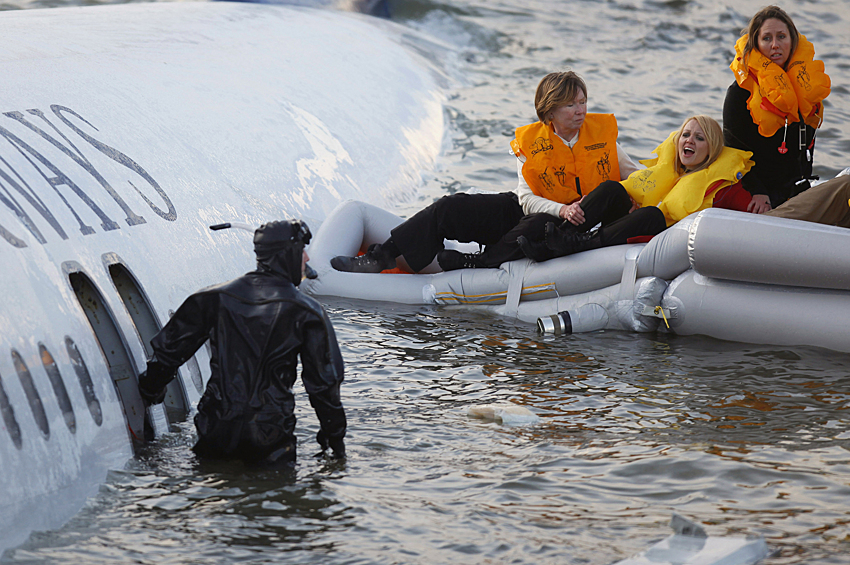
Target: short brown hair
<point>754,28</point>
<point>557,89</point>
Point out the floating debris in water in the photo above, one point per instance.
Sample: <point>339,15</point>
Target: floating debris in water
<point>508,414</point>
<point>690,545</point>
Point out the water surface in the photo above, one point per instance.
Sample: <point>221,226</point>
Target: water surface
<point>745,439</point>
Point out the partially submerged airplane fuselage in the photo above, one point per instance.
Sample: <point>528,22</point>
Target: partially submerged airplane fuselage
<point>126,131</point>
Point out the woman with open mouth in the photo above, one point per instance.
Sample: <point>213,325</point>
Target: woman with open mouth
<point>693,171</point>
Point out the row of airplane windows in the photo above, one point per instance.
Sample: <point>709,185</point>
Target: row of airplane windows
<point>58,385</point>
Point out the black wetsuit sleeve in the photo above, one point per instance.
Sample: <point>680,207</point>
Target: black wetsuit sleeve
<point>740,132</point>
<point>322,375</point>
<point>175,343</point>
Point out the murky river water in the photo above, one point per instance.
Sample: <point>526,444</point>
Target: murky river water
<point>744,439</point>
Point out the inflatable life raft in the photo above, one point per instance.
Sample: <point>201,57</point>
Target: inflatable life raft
<point>719,273</point>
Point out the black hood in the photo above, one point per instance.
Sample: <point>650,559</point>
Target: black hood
<point>280,246</point>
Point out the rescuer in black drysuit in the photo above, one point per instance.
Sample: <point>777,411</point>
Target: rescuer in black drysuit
<point>258,325</point>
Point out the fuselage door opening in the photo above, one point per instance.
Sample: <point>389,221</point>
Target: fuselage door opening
<point>147,326</point>
<point>118,357</point>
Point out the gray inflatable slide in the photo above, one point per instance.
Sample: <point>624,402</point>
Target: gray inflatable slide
<point>719,273</point>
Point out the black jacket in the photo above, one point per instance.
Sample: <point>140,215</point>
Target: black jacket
<point>258,325</point>
<point>776,174</point>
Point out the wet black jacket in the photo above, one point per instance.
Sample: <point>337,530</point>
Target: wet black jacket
<point>257,325</point>
<point>774,174</point>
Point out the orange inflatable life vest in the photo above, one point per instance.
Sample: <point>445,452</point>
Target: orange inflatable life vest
<point>777,95</point>
<point>555,171</point>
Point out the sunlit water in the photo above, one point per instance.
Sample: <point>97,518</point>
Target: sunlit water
<point>745,439</point>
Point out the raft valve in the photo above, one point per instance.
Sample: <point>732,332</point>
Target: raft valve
<point>557,324</point>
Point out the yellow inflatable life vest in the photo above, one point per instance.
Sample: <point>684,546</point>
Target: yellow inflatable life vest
<point>551,167</point>
<point>678,196</point>
<point>777,95</point>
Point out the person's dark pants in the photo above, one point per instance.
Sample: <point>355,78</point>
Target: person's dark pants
<point>609,205</point>
<point>479,218</point>
<point>496,220</point>
<point>266,438</point>
<point>507,248</point>
<point>646,221</point>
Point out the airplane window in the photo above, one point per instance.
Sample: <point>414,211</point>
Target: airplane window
<point>85,380</point>
<point>32,394</point>
<point>9,417</point>
<point>58,387</point>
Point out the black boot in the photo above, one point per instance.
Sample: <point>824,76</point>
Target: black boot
<point>451,260</point>
<point>374,261</point>
<point>535,250</point>
<point>567,241</point>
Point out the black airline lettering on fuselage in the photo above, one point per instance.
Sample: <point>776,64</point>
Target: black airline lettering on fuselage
<point>15,189</point>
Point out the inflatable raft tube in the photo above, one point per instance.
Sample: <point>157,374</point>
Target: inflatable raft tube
<point>353,226</point>
<point>720,273</point>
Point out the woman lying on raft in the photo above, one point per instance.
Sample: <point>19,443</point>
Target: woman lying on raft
<point>567,151</point>
<point>693,171</point>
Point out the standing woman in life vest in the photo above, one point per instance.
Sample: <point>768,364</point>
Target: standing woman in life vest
<point>693,171</point>
<point>560,159</point>
<point>774,109</point>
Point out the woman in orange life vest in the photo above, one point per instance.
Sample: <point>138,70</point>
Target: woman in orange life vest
<point>773,109</point>
<point>560,158</point>
<point>693,171</point>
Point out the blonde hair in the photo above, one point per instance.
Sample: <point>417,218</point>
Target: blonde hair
<point>754,28</point>
<point>713,135</point>
<point>557,89</point>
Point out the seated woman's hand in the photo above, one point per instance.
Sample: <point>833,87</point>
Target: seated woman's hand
<point>759,204</point>
<point>573,212</point>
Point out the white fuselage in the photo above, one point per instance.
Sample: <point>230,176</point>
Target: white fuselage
<point>125,132</point>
